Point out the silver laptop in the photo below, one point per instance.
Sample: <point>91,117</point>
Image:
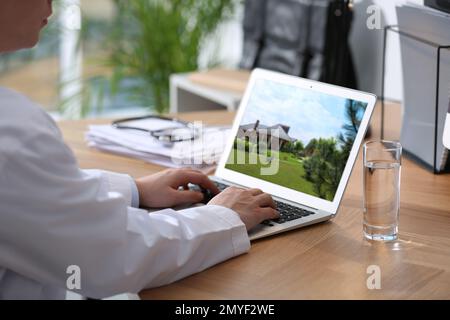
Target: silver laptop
<point>297,140</point>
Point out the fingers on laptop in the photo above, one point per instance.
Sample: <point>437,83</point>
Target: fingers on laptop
<point>262,199</point>
<point>265,200</point>
<point>255,192</point>
<point>268,213</point>
<point>197,177</point>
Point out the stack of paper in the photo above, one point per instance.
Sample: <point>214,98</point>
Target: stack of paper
<point>204,151</point>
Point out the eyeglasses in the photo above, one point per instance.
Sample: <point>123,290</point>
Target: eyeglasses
<point>166,130</point>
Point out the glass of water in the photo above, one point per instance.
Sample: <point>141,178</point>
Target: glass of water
<point>382,171</point>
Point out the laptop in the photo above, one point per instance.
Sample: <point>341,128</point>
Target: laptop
<point>297,140</point>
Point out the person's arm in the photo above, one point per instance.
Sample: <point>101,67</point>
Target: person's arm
<point>55,215</point>
<point>117,182</point>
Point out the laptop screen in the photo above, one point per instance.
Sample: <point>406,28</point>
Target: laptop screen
<point>297,138</point>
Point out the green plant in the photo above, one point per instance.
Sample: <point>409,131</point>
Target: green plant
<point>151,39</point>
<point>147,41</point>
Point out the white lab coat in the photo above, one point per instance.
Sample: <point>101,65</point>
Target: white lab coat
<point>54,215</point>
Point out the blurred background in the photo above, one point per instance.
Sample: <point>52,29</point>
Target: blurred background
<point>105,58</point>
<point>122,49</point>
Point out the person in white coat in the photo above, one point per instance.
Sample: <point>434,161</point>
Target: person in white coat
<point>54,215</point>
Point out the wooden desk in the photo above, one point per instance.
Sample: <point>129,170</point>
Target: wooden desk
<point>324,261</point>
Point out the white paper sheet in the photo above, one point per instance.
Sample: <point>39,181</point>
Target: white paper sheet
<point>202,152</point>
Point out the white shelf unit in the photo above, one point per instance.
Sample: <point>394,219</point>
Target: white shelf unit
<point>186,96</point>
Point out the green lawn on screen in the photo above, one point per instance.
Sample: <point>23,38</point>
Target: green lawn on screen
<point>290,173</point>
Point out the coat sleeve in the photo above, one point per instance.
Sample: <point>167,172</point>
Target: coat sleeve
<point>55,215</point>
<point>117,182</point>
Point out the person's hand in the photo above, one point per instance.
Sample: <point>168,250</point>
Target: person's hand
<point>252,205</point>
<point>161,190</point>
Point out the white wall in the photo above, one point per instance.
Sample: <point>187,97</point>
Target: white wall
<point>366,45</point>
<point>225,46</point>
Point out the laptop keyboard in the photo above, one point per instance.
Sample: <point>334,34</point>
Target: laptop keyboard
<point>287,212</point>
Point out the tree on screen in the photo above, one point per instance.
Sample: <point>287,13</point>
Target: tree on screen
<point>326,158</point>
